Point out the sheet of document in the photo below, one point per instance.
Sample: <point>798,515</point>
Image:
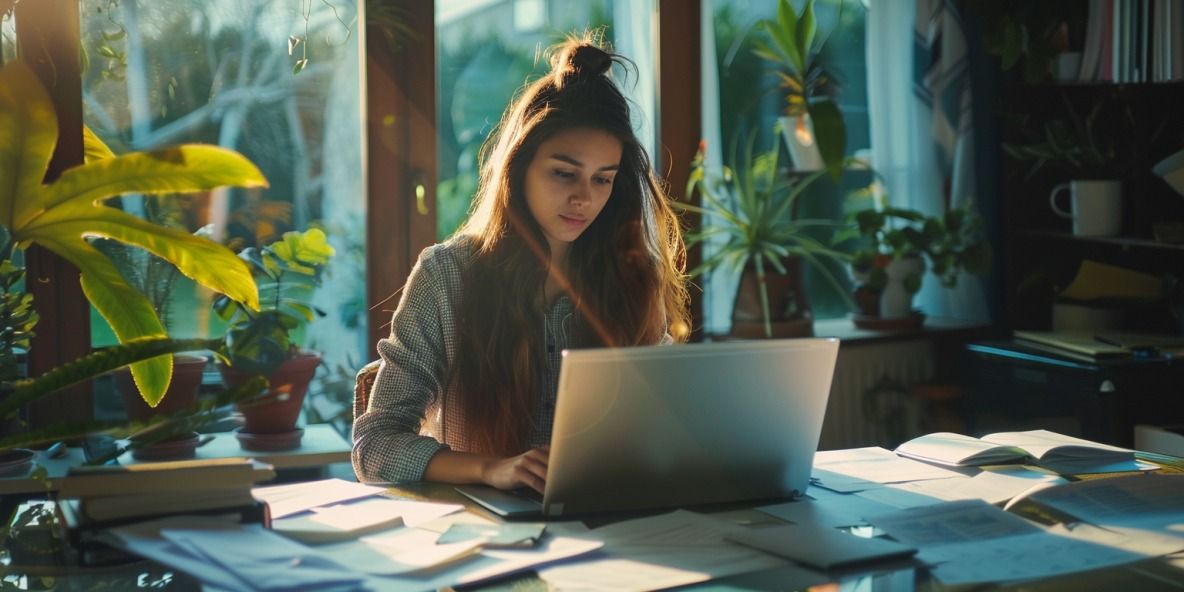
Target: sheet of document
<point>285,500</point>
<point>1149,499</point>
<point>144,539</point>
<point>491,563</point>
<point>401,551</point>
<point>994,487</point>
<point>263,560</point>
<point>858,469</point>
<point>671,549</point>
<point>413,513</point>
<point>1038,555</point>
<point>846,510</point>
<point>951,522</point>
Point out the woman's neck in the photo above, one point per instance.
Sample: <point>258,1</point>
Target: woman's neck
<point>556,275</point>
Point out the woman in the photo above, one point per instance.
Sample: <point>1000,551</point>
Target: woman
<point>571,243</point>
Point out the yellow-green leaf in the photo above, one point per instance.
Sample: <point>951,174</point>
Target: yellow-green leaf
<point>124,308</point>
<point>206,262</point>
<point>180,169</point>
<point>28,133</point>
<point>93,147</point>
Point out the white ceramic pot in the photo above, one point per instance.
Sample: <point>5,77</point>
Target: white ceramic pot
<point>798,132</point>
<point>896,301</point>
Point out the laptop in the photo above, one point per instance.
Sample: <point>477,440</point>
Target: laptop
<point>671,426</point>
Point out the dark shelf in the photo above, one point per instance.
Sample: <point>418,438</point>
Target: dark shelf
<point>1120,241</point>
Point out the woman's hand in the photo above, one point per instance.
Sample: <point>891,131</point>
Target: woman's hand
<point>528,469</point>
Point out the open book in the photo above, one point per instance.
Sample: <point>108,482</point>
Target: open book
<point>1057,452</point>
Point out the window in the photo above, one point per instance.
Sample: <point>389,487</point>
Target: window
<point>484,55</point>
<point>745,99</point>
<point>277,81</point>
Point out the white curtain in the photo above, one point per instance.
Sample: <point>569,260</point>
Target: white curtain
<point>919,99</point>
<point>634,35</point>
<point>719,290</point>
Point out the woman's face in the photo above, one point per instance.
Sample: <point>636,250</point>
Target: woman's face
<point>569,180</point>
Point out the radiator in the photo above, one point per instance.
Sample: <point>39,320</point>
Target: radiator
<point>870,399</point>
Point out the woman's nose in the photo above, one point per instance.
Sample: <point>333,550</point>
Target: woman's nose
<point>581,195</point>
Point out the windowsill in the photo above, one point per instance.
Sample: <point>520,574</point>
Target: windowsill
<point>845,330</point>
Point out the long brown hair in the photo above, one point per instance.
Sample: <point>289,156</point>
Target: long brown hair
<point>625,272</point>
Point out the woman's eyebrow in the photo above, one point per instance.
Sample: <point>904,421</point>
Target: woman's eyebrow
<point>574,162</point>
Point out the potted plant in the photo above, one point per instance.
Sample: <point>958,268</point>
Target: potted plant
<point>156,279</point>
<point>64,215</point>
<point>893,247</point>
<point>813,125</point>
<point>261,342</point>
<point>752,208</point>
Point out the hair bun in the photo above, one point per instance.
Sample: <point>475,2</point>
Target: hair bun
<point>581,62</point>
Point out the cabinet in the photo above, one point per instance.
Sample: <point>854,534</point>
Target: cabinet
<point>1135,125</point>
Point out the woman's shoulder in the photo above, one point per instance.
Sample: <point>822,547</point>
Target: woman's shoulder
<point>452,255</point>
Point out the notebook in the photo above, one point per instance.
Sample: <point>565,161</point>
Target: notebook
<point>672,426</point>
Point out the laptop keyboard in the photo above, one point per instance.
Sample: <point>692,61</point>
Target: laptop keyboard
<point>528,493</point>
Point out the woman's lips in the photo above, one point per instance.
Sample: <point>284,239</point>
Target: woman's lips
<point>573,222</point>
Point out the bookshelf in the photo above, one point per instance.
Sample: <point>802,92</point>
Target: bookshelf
<point>1137,124</point>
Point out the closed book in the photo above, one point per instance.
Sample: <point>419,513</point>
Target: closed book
<point>113,507</point>
<point>169,476</point>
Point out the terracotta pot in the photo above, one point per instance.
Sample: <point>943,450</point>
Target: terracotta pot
<point>789,308</point>
<point>278,410</point>
<point>181,394</point>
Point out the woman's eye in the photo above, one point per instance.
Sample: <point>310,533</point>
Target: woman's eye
<point>564,174</point>
<point>603,180</point>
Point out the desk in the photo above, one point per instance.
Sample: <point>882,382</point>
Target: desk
<point>321,445</point>
<point>1013,381</point>
<point>1152,574</point>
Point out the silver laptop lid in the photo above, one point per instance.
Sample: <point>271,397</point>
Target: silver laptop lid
<point>665,426</point>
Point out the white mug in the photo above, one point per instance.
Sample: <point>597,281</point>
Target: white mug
<point>1095,207</point>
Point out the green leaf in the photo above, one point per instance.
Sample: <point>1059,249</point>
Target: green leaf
<point>807,27</point>
<point>831,134</point>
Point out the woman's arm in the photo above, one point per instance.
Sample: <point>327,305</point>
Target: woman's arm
<point>387,443</point>
<point>528,469</point>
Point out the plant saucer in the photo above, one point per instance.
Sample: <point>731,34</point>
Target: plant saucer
<point>16,461</point>
<point>269,442</point>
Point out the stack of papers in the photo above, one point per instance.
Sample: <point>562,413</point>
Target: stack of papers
<point>972,541</point>
<point>402,550</point>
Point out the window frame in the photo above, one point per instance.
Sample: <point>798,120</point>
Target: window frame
<point>401,156</point>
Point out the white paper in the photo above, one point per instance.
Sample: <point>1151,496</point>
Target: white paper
<point>398,552</point>
<point>994,486</point>
<point>414,513</point>
<point>285,500</point>
<point>951,522</point>
<point>873,465</point>
<point>661,551</point>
